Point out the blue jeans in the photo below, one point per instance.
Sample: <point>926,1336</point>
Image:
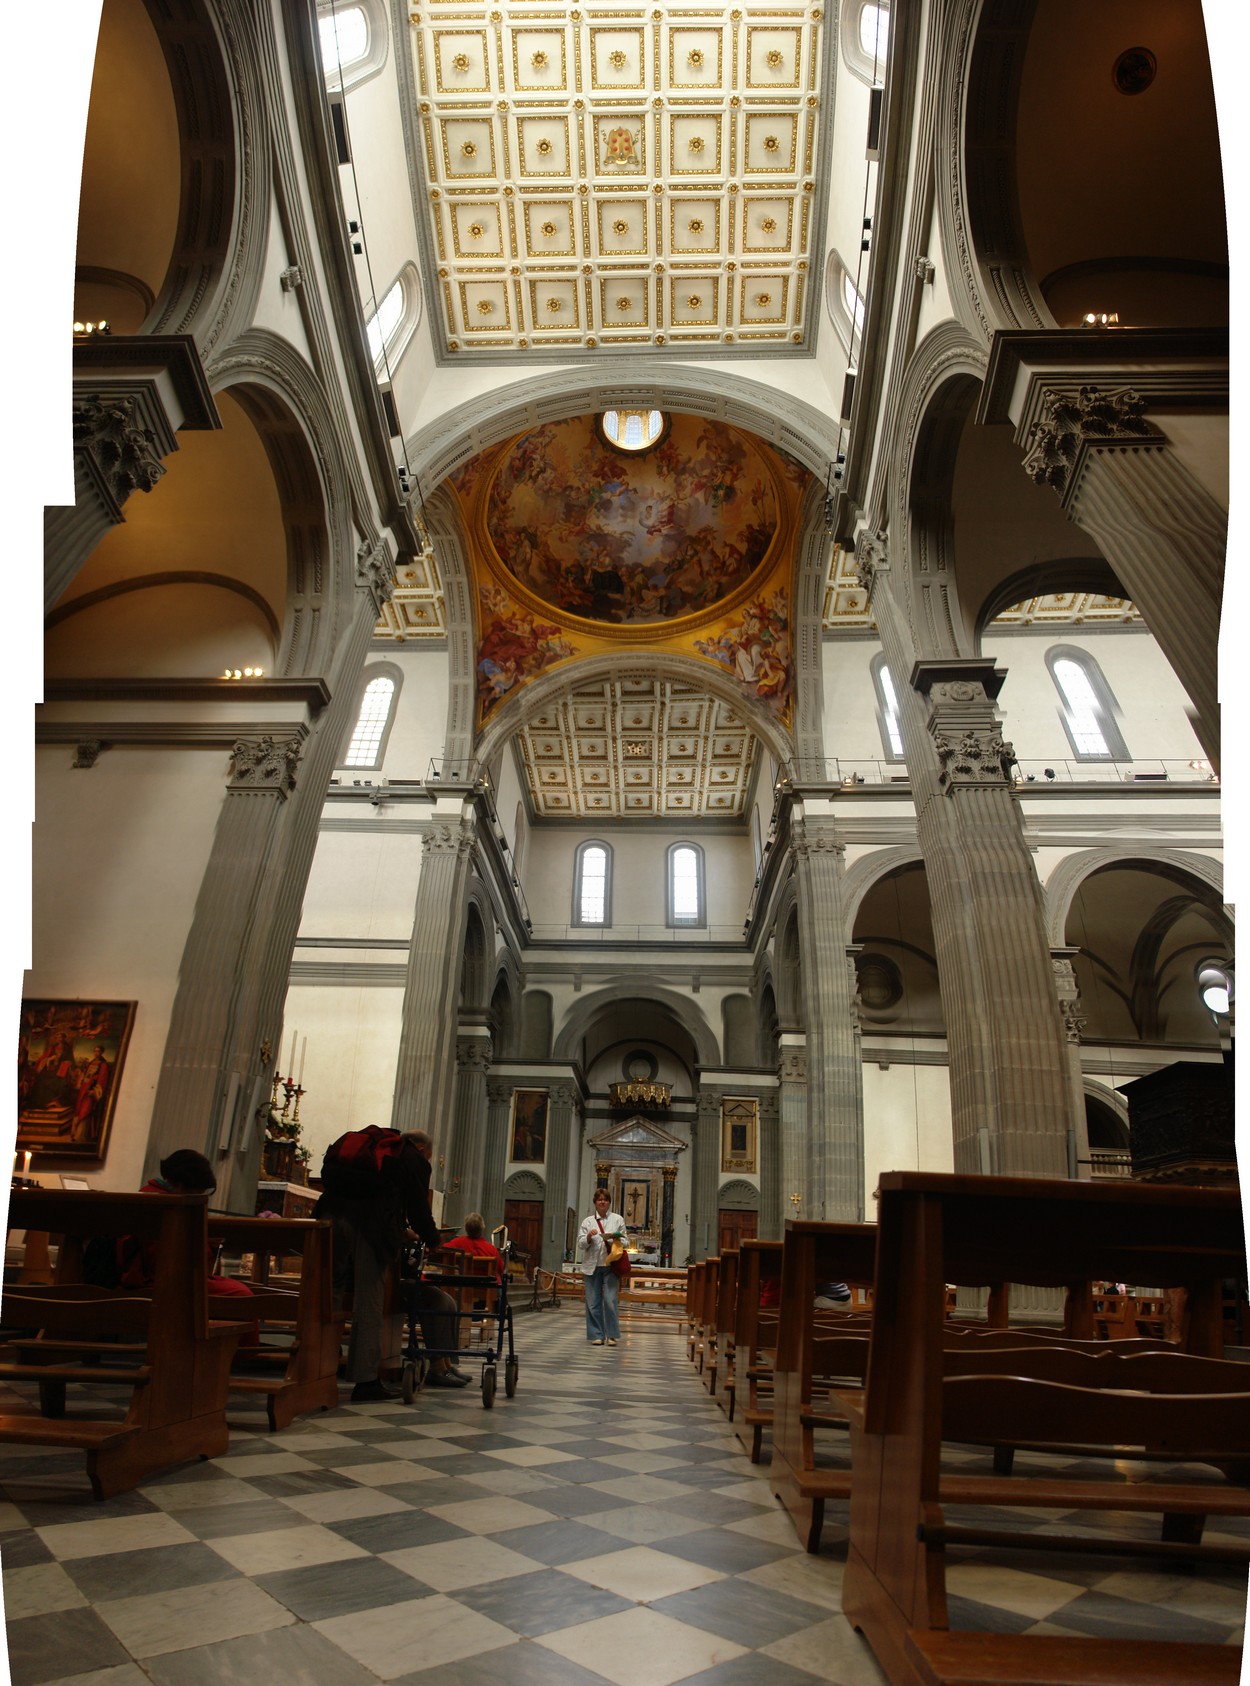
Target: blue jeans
<point>602,1289</point>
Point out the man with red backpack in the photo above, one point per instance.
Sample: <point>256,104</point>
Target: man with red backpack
<point>376,1189</point>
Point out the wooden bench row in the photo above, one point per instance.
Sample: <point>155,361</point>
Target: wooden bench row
<point>865,1399</point>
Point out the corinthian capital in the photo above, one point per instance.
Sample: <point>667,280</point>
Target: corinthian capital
<point>1070,424</point>
<point>978,758</point>
<point>871,558</point>
<point>375,571</point>
<point>125,451</point>
<point>447,839</point>
<point>807,840</point>
<point>262,764</point>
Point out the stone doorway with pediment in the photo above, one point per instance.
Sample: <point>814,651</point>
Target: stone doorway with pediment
<point>636,1161</point>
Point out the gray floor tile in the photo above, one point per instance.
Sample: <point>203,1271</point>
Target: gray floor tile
<point>253,1516</point>
<point>731,1553</point>
<point>337,1589</point>
<point>752,1670</point>
<point>294,1656</point>
<point>559,1542</point>
<point>522,1664</point>
<point>82,1642</point>
<point>398,1529</point>
<point>22,1548</point>
<point>542,1602</point>
<point>118,1574</point>
<point>749,1615</point>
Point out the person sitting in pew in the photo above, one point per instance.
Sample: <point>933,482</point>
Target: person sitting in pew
<point>831,1295</point>
<point>182,1172</point>
<point>474,1241</point>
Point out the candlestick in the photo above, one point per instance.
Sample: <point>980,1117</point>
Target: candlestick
<point>302,1054</point>
<point>26,1165</point>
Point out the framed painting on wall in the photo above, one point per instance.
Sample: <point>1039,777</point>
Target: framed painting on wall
<point>739,1120</point>
<point>69,1069</point>
<point>529,1126</point>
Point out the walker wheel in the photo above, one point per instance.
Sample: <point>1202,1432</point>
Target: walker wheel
<point>488,1386</point>
<point>409,1383</point>
<point>510,1371</point>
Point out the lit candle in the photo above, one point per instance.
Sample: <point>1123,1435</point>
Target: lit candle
<point>290,1070</point>
<point>302,1056</point>
<point>26,1164</point>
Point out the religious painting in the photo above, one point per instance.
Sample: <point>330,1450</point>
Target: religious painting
<point>628,539</point>
<point>739,1135</point>
<point>514,647</point>
<point>529,1126</point>
<point>69,1067</point>
<point>756,652</point>
<point>636,1202</point>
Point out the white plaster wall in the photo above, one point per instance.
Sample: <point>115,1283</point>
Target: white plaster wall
<point>363,883</point>
<point>907,1122</point>
<point>420,725</point>
<point>639,865</point>
<point>120,850</point>
<point>349,1070</point>
<point>852,733</point>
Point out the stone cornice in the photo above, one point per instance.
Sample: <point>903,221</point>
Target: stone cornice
<point>313,694</point>
<point>190,734</point>
<point>170,363</point>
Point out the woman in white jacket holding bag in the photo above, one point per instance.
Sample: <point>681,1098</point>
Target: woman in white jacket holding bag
<point>594,1239</point>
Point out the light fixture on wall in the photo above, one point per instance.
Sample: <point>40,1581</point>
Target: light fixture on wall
<point>1101,319</point>
<point>243,673</point>
<point>84,330</point>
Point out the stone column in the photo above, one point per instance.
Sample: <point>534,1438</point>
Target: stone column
<point>465,1149</point>
<point>668,1200</point>
<point>792,1125</point>
<point>1162,532</point>
<point>425,1071</point>
<point>1011,1098</point>
<point>495,1161</point>
<point>705,1174</point>
<point>561,1122</point>
<point>835,1159</point>
<point>770,1169</point>
<point>132,394</point>
<point>1069,993</point>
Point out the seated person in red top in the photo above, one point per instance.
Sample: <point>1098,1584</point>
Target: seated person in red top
<point>183,1172</point>
<point>474,1241</point>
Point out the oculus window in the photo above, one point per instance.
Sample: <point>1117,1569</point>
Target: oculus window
<point>373,723</point>
<point>1215,985</point>
<point>592,881</point>
<point>1088,711</point>
<point>633,430</point>
<point>686,904</point>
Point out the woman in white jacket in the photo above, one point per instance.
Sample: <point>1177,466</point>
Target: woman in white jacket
<point>593,1239</point>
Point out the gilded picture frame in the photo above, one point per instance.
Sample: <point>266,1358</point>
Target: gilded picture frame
<point>528,1136</point>
<point>739,1139</point>
<point>70,1056</point>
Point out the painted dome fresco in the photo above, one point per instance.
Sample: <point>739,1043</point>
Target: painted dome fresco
<point>623,539</point>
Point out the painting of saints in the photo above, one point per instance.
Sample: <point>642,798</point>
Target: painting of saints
<point>529,1126</point>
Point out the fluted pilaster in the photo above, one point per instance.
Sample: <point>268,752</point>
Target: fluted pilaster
<point>835,1170</point>
<point>498,1107</point>
<point>561,1123</point>
<point>705,1174</point>
<point>792,1126</point>
<point>770,1169</point>
<point>425,1069</point>
<point>464,1151</point>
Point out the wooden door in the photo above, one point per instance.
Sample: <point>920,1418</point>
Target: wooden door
<point>524,1219</point>
<point>734,1228</point>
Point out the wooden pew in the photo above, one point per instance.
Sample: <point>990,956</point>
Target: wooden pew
<point>755,1338</point>
<point>163,1345</point>
<point>655,1286</point>
<point>302,1374</point>
<point>934,1229</point>
<point>709,1361</point>
<point>726,1308</point>
<point>814,1348</point>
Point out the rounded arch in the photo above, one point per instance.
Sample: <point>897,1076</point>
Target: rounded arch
<point>868,871</point>
<point>1065,881</point>
<point>505,995</point>
<point>1042,578</point>
<point>789,971</point>
<point>738,1196</point>
<point>475,967</point>
<point>740,1023</point>
<point>536,1025</point>
<point>1106,1116</point>
<point>544,690</point>
<point>287,405</point>
<point>569,1039</point>
<point>525,1185</point>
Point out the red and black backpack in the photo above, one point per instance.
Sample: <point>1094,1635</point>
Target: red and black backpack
<point>362,1162</point>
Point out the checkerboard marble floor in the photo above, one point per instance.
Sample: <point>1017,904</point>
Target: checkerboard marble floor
<point>603,1525</point>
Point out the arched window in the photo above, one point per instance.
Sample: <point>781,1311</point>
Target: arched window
<point>390,327</point>
<point>592,885</point>
<point>887,709</point>
<point>1088,711</point>
<point>686,905</point>
<point>1215,985</point>
<point>844,302</point>
<point>864,35</point>
<point>367,744</point>
<point>353,41</point>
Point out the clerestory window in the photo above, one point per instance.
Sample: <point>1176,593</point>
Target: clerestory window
<point>1088,711</point>
<point>686,905</point>
<point>592,882</point>
<point>367,743</point>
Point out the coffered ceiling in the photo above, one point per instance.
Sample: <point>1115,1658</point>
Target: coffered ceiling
<point>620,175</point>
<point>636,746</point>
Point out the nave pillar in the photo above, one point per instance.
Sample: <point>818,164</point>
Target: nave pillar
<point>562,1120</point>
<point>770,1219</point>
<point>705,1177</point>
<point>791,1132</point>
<point>468,1130</point>
<point>1011,1097</point>
<point>132,394</point>
<point>498,1109</point>
<point>1078,403</point>
<point>833,1186</point>
<point>425,1069</point>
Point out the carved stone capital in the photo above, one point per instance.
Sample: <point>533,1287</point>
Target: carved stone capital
<point>447,839</point>
<point>564,1096</point>
<point>1069,992</point>
<point>792,1067</point>
<point>262,764</point>
<point>87,753</point>
<point>669,1173</point>
<point>709,1106</point>
<point>770,1109</point>
<point>976,759</point>
<point>1068,425</point>
<point>871,559</point>
<point>125,451</point>
<point>472,1054</point>
<point>497,1093</point>
<point>807,840</point>
<point>375,572</point>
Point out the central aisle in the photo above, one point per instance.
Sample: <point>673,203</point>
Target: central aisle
<point>604,1524</point>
